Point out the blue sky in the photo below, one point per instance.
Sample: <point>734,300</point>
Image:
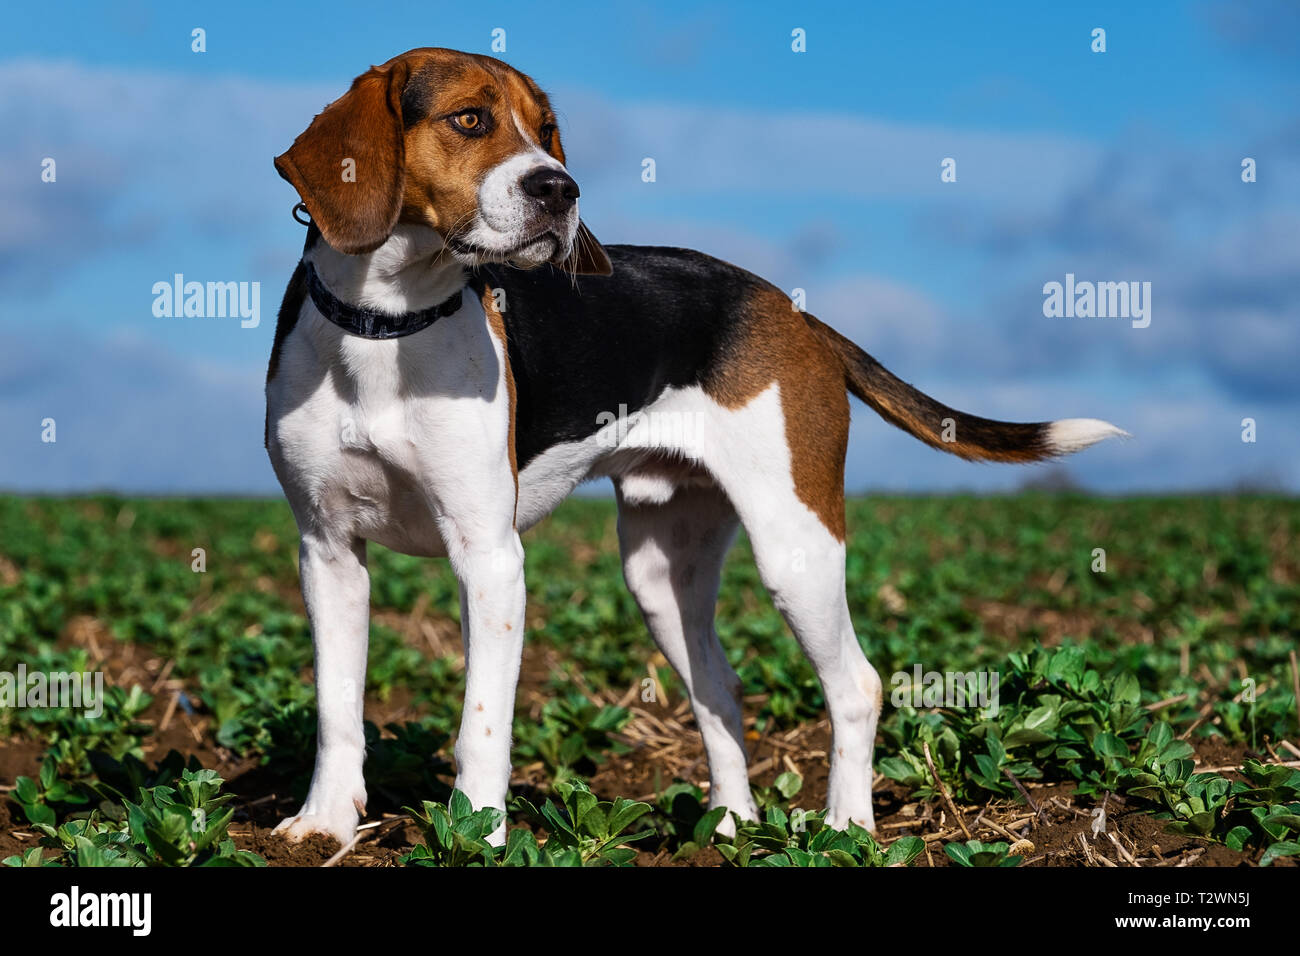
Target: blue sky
<point>817,170</point>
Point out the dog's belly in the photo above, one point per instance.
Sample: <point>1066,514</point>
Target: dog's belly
<point>388,509</point>
<point>391,512</point>
<point>650,455</point>
<point>387,506</point>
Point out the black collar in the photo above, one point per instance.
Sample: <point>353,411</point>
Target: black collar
<point>368,323</point>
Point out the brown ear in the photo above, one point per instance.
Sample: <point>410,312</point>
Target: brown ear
<point>588,257</point>
<point>354,204</point>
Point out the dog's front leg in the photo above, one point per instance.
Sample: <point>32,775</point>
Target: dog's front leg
<point>336,589</point>
<point>490,567</point>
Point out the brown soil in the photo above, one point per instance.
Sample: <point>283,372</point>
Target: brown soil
<point>19,757</point>
<point>15,836</point>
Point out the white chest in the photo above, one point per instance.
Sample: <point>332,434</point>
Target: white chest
<point>372,438</point>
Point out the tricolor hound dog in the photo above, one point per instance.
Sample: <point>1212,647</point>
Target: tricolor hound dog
<point>449,360</point>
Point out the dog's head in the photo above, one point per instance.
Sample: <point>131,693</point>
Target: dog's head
<point>456,141</point>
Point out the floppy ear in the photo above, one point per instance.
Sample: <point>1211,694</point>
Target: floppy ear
<point>349,165</point>
<point>588,256</point>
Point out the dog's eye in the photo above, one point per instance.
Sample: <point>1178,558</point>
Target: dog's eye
<point>472,122</point>
<point>546,134</point>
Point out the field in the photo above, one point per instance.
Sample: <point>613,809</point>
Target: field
<point>1146,714</point>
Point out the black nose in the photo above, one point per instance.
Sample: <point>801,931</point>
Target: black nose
<point>553,188</point>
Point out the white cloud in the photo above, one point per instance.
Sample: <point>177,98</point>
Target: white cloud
<point>701,149</point>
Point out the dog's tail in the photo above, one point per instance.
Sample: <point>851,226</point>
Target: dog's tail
<point>968,436</point>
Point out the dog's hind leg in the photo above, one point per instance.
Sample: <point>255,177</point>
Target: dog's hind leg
<point>802,567</point>
<point>336,589</point>
<point>672,562</point>
<point>780,458</point>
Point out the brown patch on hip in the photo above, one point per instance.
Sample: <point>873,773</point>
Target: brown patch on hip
<point>773,343</point>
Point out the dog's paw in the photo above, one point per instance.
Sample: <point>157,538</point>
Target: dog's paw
<point>742,807</point>
<point>727,827</point>
<point>341,825</point>
<point>498,836</point>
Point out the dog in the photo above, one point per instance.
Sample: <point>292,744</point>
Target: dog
<point>456,352</point>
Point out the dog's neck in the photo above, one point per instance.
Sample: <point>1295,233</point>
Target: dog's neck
<point>410,272</point>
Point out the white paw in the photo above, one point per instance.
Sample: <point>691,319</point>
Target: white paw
<point>743,807</point>
<point>339,822</point>
<point>727,827</point>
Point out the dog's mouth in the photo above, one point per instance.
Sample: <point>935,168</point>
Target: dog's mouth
<point>533,251</point>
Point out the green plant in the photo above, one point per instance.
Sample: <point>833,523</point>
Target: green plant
<point>185,825</point>
<point>780,793</point>
<point>582,831</point>
<point>803,839</point>
<point>975,853</point>
<point>455,834</point>
<point>592,829</point>
<point>83,843</point>
<point>180,825</point>
<point>39,798</point>
<point>572,735</point>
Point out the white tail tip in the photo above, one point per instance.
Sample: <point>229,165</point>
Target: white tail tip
<point>1074,434</point>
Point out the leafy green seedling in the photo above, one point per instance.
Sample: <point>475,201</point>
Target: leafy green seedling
<point>592,828</point>
<point>975,853</point>
<point>455,834</point>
